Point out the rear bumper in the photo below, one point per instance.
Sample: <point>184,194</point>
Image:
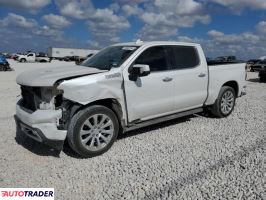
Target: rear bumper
<point>41,126</point>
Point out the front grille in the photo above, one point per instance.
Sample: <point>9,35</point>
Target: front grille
<point>28,97</point>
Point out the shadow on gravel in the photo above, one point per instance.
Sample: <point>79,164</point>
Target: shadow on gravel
<point>155,126</point>
<point>68,151</point>
<point>177,185</point>
<point>34,146</point>
<point>43,150</point>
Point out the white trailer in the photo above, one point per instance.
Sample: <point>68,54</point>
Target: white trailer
<point>63,52</point>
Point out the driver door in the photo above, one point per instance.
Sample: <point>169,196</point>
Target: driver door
<point>150,96</point>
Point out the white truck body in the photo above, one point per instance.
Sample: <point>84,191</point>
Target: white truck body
<point>157,95</point>
<point>31,57</point>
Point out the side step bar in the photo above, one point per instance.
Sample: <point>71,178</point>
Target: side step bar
<point>162,119</point>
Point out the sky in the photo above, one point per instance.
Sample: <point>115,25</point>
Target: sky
<point>222,27</point>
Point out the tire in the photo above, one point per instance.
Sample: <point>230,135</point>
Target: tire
<point>96,141</point>
<point>22,60</point>
<point>1,68</point>
<point>226,98</point>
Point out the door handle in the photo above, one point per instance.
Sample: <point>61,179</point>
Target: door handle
<point>167,79</point>
<point>202,75</point>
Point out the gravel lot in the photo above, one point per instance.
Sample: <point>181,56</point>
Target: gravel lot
<point>195,157</point>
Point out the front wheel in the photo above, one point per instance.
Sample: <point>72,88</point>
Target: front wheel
<point>93,130</point>
<point>225,103</point>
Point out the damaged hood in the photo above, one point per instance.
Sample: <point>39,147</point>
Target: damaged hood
<point>46,77</point>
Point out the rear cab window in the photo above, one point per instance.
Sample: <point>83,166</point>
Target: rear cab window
<point>184,57</point>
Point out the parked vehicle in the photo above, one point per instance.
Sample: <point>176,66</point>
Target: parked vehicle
<point>262,74</point>
<point>223,60</point>
<point>79,60</point>
<point>226,58</point>
<point>32,57</point>
<point>258,66</point>
<point>70,58</point>
<point>4,65</point>
<point>251,62</point>
<point>14,57</point>
<point>59,53</point>
<point>123,87</point>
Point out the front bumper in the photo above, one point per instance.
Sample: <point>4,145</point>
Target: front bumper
<point>41,125</point>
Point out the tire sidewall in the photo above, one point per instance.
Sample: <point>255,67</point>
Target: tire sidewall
<point>77,123</point>
<point>222,92</point>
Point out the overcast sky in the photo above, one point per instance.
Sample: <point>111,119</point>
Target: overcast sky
<point>223,27</point>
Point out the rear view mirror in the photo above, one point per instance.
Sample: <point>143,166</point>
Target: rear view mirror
<point>139,70</point>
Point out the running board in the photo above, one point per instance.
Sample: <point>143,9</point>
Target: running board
<point>162,119</point>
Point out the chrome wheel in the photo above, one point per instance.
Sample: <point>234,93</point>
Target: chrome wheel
<point>227,102</point>
<point>96,132</point>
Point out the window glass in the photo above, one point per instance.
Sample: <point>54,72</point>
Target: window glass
<point>110,57</point>
<point>155,57</point>
<point>185,57</point>
<point>30,55</point>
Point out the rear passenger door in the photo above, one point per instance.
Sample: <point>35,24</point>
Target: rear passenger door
<point>190,77</point>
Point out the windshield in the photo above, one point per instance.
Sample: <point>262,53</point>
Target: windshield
<point>110,57</point>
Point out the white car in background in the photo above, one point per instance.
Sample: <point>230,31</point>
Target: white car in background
<point>32,57</point>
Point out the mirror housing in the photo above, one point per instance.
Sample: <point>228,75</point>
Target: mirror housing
<point>140,70</point>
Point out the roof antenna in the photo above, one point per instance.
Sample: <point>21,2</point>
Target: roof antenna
<point>139,42</point>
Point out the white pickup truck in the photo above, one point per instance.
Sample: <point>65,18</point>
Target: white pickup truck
<point>124,87</point>
<point>32,57</point>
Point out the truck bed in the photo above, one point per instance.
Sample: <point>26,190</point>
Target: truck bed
<point>223,73</point>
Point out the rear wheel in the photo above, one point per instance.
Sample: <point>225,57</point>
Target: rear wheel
<point>225,103</point>
<point>92,131</point>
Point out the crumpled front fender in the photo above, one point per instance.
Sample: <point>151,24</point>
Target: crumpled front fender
<point>85,90</point>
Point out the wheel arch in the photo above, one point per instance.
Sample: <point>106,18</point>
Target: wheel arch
<point>234,85</point>
<point>110,103</point>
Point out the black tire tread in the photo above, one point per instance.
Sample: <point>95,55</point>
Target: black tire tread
<point>215,109</point>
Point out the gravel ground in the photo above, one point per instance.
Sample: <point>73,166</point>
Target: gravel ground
<point>195,157</point>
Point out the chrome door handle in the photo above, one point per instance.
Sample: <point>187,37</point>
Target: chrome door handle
<point>167,79</point>
<point>202,75</point>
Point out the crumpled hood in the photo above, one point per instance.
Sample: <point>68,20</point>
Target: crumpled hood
<point>46,77</point>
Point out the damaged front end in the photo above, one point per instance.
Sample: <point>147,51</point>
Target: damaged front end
<point>39,114</point>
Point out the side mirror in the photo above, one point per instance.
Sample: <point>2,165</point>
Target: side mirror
<point>139,70</point>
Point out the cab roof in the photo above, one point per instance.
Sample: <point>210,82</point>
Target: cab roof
<point>141,43</point>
